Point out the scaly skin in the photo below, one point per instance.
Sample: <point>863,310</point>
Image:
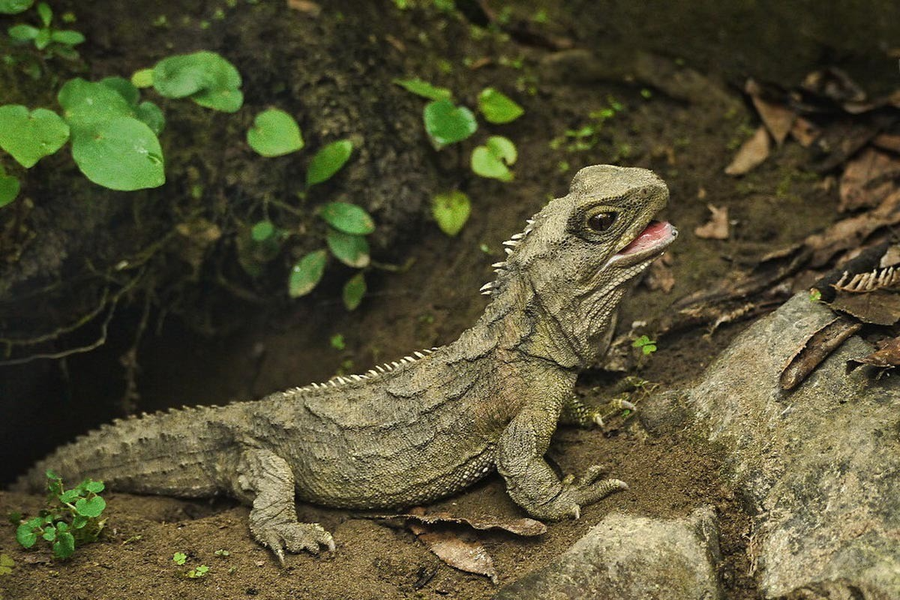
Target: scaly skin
<point>432,423</point>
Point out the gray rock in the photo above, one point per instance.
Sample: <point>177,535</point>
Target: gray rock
<point>631,557</point>
<point>819,467</point>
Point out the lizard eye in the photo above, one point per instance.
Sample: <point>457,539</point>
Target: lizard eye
<point>601,221</point>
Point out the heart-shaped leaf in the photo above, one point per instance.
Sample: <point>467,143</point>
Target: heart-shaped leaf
<point>447,123</point>
<point>497,107</point>
<point>30,136</point>
<point>120,154</point>
<point>424,89</point>
<point>451,211</point>
<point>328,161</point>
<point>186,74</point>
<point>347,217</point>
<point>90,507</point>
<point>354,290</point>
<point>306,274</point>
<point>491,160</point>
<point>123,87</point>
<point>9,189</point>
<point>64,546</point>
<point>352,250</point>
<point>274,133</point>
<point>86,103</point>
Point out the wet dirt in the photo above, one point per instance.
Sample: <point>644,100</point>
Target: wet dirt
<point>430,303</point>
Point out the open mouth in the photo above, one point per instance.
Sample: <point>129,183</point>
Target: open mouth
<point>649,243</point>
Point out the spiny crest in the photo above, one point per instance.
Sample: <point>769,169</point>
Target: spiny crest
<point>861,283</point>
<point>339,380</point>
<point>510,246</point>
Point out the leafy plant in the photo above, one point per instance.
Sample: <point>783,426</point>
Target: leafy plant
<point>13,7</point>
<point>204,77</point>
<point>198,572</point>
<point>587,136</point>
<point>179,558</point>
<point>328,161</point>
<point>424,89</point>
<point>59,42</point>
<point>646,345</point>
<point>71,519</point>
<point>447,123</point>
<point>497,107</point>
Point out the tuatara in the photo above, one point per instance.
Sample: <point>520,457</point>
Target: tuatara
<point>429,424</point>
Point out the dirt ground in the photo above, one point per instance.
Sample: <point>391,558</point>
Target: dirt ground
<point>687,139</point>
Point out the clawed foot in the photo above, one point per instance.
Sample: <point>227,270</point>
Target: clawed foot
<point>294,537</point>
<point>585,489</point>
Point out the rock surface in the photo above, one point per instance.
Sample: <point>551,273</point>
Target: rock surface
<point>631,557</point>
<point>819,467</point>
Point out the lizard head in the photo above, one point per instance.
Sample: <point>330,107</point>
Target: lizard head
<point>576,256</point>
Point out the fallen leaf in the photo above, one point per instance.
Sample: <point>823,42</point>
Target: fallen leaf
<point>520,526</point>
<point>844,138</point>
<point>751,154</point>
<point>852,231</point>
<point>887,141</point>
<point>834,84</point>
<point>470,557</point>
<point>805,132</point>
<point>887,356</point>
<point>717,227</point>
<point>877,308</point>
<point>660,277</point>
<point>815,349</point>
<point>777,118</point>
<point>305,6</point>
<point>868,179</point>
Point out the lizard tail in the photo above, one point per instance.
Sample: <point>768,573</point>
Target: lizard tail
<point>171,453</point>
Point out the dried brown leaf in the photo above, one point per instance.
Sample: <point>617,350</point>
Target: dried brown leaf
<point>815,349</point>
<point>805,132</point>
<point>777,118</point>
<point>305,6</point>
<point>470,557</point>
<point>835,84</point>
<point>520,526</point>
<point>878,308</point>
<point>868,179</point>
<point>717,226</point>
<point>887,356</point>
<point>852,231</point>
<point>751,154</point>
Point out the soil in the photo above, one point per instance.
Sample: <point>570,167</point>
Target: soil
<point>222,346</point>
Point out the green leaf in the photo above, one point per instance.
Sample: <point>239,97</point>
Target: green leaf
<point>94,486</point>
<point>22,33</point>
<point>142,78</point>
<point>27,534</point>
<point>424,89</point>
<point>497,107</point>
<point>328,161</point>
<point>120,154</point>
<point>67,37</point>
<point>151,115</point>
<point>179,558</point>
<point>69,496</point>
<point>87,103</point>
<point>306,274</point>
<point>447,123</point>
<point>451,211</point>
<point>262,231</point>
<point>90,507</point>
<point>491,160</point>
<point>14,7</point>
<point>223,100</point>
<point>64,546</point>
<point>45,13</point>
<point>186,74</point>
<point>124,88</point>
<point>49,534</point>
<point>274,133</point>
<point>354,290</point>
<point>79,521</point>
<point>347,217</point>
<point>352,250</point>
<point>30,136</point>
<point>42,39</point>
<point>9,189</point>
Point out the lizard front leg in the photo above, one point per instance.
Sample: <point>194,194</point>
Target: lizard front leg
<point>265,481</point>
<point>530,481</point>
<point>575,412</point>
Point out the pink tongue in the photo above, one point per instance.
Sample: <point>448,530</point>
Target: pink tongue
<point>655,232</point>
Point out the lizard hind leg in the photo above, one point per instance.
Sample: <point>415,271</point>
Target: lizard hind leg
<point>265,481</point>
